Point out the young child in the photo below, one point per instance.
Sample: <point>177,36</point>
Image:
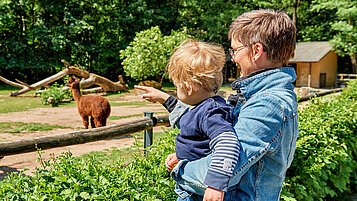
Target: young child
<point>196,70</point>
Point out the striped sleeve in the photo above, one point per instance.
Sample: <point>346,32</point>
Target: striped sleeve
<point>226,153</point>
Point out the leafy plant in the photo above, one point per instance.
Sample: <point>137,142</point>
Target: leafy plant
<point>325,160</point>
<point>324,167</point>
<point>148,54</point>
<point>86,178</point>
<point>55,95</point>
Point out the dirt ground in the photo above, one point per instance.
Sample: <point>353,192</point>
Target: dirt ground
<point>67,116</point>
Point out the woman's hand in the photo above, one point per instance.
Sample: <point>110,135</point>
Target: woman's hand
<point>170,161</point>
<point>152,94</point>
<point>212,194</point>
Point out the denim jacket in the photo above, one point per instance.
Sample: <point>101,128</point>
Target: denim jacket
<point>266,122</point>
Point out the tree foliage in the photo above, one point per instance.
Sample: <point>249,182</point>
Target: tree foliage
<point>149,52</point>
<point>35,35</point>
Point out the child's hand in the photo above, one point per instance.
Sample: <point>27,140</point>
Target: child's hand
<point>212,194</point>
<point>170,161</point>
<point>152,94</point>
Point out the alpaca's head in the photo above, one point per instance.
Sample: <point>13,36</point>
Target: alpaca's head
<point>73,82</point>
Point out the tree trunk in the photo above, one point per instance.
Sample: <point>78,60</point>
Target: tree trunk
<point>90,79</point>
<point>354,63</point>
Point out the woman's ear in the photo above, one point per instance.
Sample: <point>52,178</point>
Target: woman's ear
<point>189,88</point>
<point>258,50</point>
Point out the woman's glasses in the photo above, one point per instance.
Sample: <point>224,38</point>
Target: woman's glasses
<point>232,51</point>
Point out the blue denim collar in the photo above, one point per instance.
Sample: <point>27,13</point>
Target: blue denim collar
<point>267,78</point>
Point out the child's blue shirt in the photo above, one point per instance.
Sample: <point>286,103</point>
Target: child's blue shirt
<point>207,128</point>
<point>202,124</point>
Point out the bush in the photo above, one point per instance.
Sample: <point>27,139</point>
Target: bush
<point>86,178</point>
<point>54,95</point>
<point>325,160</point>
<point>324,167</point>
<point>148,54</point>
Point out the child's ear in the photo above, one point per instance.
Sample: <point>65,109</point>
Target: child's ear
<point>189,88</point>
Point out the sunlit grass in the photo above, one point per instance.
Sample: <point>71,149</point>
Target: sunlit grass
<point>18,104</point>
<point>7,89</point>
<point>133,115</point>
<point>18,127</point>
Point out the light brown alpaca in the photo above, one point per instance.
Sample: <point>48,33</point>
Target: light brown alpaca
<point>94,106</point>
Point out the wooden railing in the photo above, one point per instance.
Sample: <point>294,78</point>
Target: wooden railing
<point>87,135</point>
<point>342,79</point>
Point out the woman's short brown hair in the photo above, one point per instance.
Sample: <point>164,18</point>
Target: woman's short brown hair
<point>273,29</point>
<point>198,63</point>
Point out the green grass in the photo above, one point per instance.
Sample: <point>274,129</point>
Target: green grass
<point>133,115</point>
<point>18,127</point>
<point>112,155</point>
<point>226,88</point>
<point>123,117</point>
<point>7,89</point>
<point>17,104</point>
<point>137,103</point>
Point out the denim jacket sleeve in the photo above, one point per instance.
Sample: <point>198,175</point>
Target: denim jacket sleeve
<point>258,127</point>
<point>180,108</point>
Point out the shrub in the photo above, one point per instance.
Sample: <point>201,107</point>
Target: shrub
<point>55,95</point>
<point>324,167</point>
<point>85,178</point>
<point>148,54</point>
<point>325,160</point>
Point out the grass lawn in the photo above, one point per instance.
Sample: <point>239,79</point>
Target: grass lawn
<point>17,127</point>
<point>18,104</point>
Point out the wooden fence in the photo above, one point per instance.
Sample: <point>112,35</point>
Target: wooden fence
<point>342,79</point>
<point>88,135</point>
<point>145,123</point>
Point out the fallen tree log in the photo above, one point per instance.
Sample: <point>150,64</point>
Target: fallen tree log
<point>89,80</point>
<point>81,136</point>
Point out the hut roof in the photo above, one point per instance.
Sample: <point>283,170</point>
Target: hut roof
<point>311,51</point>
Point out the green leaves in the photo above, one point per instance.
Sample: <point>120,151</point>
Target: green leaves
<point>324,167</point>
<point>325,159</point>
<point>148,54</point>
<point>54,95</point>
<point>85,178</point>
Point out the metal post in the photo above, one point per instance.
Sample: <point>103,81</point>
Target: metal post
<point>148,133</point>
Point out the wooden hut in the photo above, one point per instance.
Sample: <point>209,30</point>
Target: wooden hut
<point>315,64</point>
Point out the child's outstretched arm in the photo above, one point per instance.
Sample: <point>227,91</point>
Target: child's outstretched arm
<point>152,94</point>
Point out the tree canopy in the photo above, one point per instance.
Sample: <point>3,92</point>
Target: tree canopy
<point>35,35</point>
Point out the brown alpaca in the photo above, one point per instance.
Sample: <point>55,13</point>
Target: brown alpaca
<point>94,106</point>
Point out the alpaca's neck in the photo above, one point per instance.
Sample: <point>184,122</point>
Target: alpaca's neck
<point>76,93</point>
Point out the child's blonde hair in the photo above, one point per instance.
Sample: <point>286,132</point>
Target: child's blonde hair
<point>198,63</point>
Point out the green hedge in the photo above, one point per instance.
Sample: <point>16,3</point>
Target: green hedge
<point>86,178</point>
<point>324,166</point>
<point>325,159</point>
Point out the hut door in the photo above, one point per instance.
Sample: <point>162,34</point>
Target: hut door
<point>322,80</point>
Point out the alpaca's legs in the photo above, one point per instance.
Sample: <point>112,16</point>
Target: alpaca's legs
<point>97,122</point>
<point>103,121</point>
<point>85,121</point>
<point>92,122</point>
